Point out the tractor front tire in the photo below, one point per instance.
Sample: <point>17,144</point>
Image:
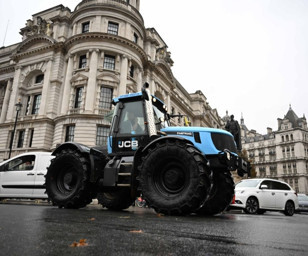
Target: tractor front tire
<point>173,177</point>
<point>67,180</point>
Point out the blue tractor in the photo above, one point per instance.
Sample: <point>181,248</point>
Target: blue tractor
<point>177,170</point>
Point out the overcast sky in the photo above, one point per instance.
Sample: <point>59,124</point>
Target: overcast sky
<point>249,57</point>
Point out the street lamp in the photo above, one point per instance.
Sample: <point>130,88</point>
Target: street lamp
<point>18,108</point>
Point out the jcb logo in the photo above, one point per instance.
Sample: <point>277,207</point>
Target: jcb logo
<point>128,144</point>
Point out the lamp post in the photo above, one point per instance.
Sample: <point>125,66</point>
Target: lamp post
<point>18,108</point>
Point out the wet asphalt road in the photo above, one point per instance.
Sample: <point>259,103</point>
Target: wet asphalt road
<point>46,230</point>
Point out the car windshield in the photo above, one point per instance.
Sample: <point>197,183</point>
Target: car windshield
<point>247,184</point>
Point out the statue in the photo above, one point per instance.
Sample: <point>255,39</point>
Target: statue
<point>235,129</point>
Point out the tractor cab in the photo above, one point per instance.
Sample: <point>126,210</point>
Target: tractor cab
<point>135,121</point>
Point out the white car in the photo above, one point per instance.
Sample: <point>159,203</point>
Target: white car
<point>259,195</point>
<point>23,176</point>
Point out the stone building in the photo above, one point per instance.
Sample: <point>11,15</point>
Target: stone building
<point>70,64</point>
<point>281,154</point>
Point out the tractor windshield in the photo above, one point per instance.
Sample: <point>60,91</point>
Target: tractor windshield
<point>132,118</point>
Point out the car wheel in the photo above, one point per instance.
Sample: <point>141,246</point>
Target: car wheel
<point>289,208</point>
<point>252,205</point>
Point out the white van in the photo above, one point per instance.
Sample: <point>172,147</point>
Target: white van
<point>23,176</point>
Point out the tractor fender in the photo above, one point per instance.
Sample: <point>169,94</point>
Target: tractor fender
<point>72,145</point>
<point>97,157</point>
<point>165,138</point>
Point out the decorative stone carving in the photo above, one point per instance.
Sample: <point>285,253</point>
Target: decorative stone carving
<point>40,28</point>
<point>163,54</point>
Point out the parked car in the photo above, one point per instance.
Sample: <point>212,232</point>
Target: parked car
<point>303,202</point>
<point>255,196</point>
<point>23,176</point>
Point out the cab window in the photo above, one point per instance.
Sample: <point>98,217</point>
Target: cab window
<point>159,118</point>
<point>132,119</point>
<point>21,163</point>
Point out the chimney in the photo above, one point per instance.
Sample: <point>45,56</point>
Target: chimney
<point>279,123</point>
<point>269,130</point>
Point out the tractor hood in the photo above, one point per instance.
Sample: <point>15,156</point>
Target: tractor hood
<point>208,140</point>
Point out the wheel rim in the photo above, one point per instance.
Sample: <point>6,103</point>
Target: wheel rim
<point>290,209</point>
<point>252,205</point>
<point>170,179</point>
<point>67,180</point>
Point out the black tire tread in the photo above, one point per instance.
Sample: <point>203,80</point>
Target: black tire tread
<point>85,192</point>
<point>115,200</point>
<point>194,197</point>
<point>221,195</point>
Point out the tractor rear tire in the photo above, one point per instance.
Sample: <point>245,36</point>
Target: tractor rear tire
<point>115,200</point>
<point>67,180</point>
<point>221,196</point>
<point>174,178</point>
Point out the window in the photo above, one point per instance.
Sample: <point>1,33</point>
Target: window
<point>39,79</point>
<point>105,99</point>
<point>82,61</point>
<point>70,131</point>
<point>31,132</point>
<point>101,136</point>
<point>78,97</point>
<point>109,62</point>
<point>172,110</point>
<point>21,136</point>
<point>132,119</point>
<point>28,105</point>
<point>113,28</point>
<point>21,163</point>
<point>36,104</point>
<point>131,71</point>
<point>85,27</point>
<point>135,38</point>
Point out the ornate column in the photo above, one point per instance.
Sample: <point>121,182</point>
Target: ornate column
<point>139,79</point>
<point>46,85</point>
<point>6,101</point>
<point>91,87</point>
<point>67,86</point>
<point>14,95</point>
<point>168,102</point>
<point>123,75</point>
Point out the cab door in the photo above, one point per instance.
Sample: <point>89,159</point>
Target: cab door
<point>17,177</point>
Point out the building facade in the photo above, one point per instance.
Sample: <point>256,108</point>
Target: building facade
<point>281,154</point>
<point>70,64</point>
